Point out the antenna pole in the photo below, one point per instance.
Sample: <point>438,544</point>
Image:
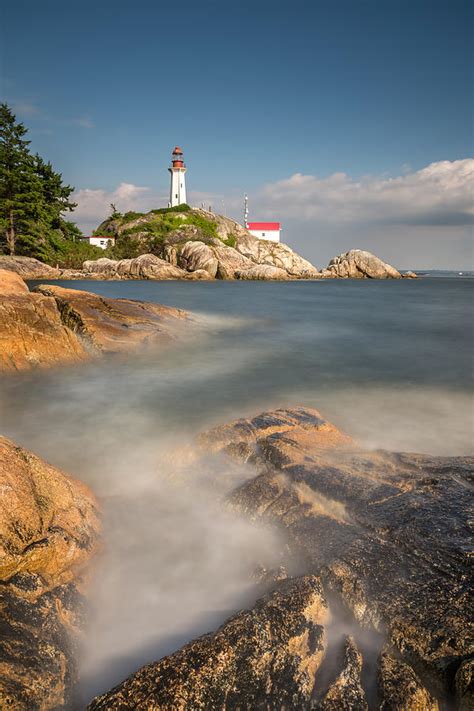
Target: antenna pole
<point>246,210</point>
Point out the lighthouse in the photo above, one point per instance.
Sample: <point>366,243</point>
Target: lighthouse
<point>178,181</point>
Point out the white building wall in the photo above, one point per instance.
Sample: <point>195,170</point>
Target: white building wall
<point>101,242</point>
<point>271,235</point>
<point>177,187</point>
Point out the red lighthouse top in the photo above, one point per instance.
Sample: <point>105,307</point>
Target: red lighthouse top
<point>177,160</point>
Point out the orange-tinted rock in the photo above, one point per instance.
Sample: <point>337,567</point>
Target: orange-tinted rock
<point>56,326</point>
<point>113,325</point>
<point>11,284</point>
<point>47,519</point>
<point>32,334</point>
<point>49,530</point>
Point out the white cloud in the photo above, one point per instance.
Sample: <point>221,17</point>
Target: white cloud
<point>93,205</point>
<point>440,194</point>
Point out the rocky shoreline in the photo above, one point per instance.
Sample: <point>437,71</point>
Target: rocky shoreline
<point>380,537</point>
<point>55,326</point>
<point>376,616</point>
<point>198,261</point>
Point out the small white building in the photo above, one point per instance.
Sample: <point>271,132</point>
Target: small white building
<point>265,230</point>
<point>102,241</point>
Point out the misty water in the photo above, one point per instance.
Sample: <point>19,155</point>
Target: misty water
<point>388,362</point>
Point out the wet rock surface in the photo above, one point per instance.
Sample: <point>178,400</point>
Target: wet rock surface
<point>113,325</point>
<point>382,538</point>
<point>386,532</point>
<point>49,532</point>
<point>32,333</point>
<point>56,326</point>
<point>345,693</point>
<point>265,657</point>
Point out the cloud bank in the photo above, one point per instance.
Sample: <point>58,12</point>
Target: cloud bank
<point>440,194</point>
<point>418,219</point>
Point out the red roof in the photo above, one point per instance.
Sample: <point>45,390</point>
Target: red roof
<point>177,151</point>
<point>270,226</point>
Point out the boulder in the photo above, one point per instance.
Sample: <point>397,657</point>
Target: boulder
<point>265,657</point>
<point>230,261</point>
<point>49,528</point>
<point>276,254</point>
<point>386,532</point>
<point>146,266</point>
<point>11,284</point>
<point>409,275</point>
<point>106,268</point>
<point>264,272</point>
<point>196,256</point>
<point>32,333</point>
<point>357,264</point>
<point>110,326</point>
<point>198,275</point>
<point>28,267</point>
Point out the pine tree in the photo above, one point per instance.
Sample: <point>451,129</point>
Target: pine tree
<point>20,188</point>
<point>32,197</point>
<point>55,195</point>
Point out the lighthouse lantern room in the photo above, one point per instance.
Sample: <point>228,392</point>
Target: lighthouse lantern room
<point>178,182</point>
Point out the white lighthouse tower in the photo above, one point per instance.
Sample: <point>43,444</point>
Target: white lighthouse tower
<point>178,181</point>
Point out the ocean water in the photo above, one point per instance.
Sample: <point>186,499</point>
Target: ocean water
<point>389,362</point>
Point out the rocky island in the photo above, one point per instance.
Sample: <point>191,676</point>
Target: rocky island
<point>191,243</point>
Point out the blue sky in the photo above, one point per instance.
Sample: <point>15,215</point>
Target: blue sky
<point>254,92</point>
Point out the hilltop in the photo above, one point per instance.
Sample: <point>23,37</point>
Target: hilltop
<point>198,240</point>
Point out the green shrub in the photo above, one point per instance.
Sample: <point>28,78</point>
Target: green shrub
<point>178,208</point>
<point>231,241</point>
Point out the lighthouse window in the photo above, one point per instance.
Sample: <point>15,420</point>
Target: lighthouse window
<point>263,234</point>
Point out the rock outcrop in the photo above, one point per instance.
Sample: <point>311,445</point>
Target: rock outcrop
<point>265,657</point>
<point>357,264</point>
<point>11,284</point>
<point>32,333</point>
<point>56,326</point>
<point>386,532</point>
<point>146,266</point>
<point>401,687</point>
<point>263,272</point>
<point>196,256</point>
<point>197,239</point>
<point>49,530</point>
<point>346,692</point>
<point>28,267</point>
<point>276,254</point>
<point>110,326</point>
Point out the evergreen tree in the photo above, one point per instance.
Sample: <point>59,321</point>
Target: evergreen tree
<point>33,198</point>
<point>19,186</point>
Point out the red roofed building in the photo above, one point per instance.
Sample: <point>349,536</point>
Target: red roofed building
<point>265,230</point>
